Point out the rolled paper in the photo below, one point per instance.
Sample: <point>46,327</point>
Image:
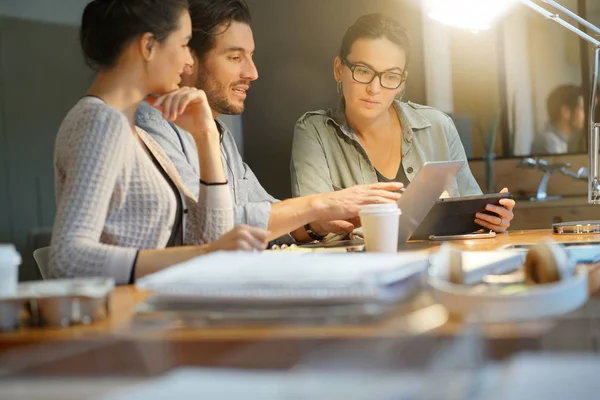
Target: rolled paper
<point>546,263</point>
<point>456,266</point>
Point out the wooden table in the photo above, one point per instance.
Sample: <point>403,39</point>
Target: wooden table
<point>121,345</point>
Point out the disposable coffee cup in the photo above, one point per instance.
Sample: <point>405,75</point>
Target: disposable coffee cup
<point>380,226</point>
<point>10,260</point>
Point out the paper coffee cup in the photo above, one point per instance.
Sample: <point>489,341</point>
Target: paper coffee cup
<point>9,269</point>
<point>380,226</point>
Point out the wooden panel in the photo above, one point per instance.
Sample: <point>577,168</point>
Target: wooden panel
<point>544,217</point>
<point>522,181</point>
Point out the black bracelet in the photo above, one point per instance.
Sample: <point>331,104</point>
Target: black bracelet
<point>213,183</point>
<point>312,234</point>
<point>132,273</point>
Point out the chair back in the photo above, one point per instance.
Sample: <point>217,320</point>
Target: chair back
<point>41,257</point>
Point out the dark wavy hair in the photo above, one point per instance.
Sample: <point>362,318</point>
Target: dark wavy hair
<point>207,18</point>
<point>108,26</point>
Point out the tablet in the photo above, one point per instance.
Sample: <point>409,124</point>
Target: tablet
<point>456,216</point>
<point>423,193</point>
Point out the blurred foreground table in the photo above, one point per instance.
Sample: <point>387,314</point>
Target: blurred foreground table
<point>411,335</point>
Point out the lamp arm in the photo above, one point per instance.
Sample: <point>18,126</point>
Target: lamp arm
<point>556,18</point>
<point>594,139</point>
<point>571,14</point>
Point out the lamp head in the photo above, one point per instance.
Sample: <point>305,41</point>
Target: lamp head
<point>475,15</point>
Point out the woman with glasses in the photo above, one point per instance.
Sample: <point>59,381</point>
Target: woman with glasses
<point>373,136</point>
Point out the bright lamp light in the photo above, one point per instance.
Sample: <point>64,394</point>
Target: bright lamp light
<point>470,14</point>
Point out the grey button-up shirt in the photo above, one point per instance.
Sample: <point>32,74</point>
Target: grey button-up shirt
<point>327,154</point>
<point>252,204</point>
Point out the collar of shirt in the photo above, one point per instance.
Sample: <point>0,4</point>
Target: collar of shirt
<point>222,128</point>
<point>410,118</point>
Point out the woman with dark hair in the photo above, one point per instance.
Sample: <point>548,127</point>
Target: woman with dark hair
<point>120,202</point>
<point>373,136</point>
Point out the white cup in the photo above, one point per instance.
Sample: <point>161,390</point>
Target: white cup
<point>380,225</point>
<point>10,260</point>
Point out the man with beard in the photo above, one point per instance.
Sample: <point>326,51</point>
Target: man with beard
<point>222,46</point>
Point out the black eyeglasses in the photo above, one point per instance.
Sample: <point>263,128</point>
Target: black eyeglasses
<point>362,74</point>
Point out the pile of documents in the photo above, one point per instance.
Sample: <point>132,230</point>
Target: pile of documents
<point>242,286</point>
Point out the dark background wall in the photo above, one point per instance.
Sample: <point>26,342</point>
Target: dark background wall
<point>42,75</point>
<point>296,42</point>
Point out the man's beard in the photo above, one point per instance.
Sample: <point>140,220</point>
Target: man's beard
<point>216,95</point>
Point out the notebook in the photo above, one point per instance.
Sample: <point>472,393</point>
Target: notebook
<point>244,278</point>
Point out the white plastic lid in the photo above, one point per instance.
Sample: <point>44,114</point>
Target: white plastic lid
<point>380,209</point>
<point>9,254</point>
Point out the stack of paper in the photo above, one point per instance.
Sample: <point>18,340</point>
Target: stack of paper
<point>287,277</point>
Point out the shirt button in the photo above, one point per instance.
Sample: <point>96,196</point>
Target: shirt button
<point>185,211</point>
<point>409,170</point>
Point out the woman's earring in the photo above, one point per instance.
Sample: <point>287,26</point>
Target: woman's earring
<point>400,94</point>
<point>339,88</point>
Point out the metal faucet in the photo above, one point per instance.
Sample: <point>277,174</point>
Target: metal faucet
<point>548,169</point>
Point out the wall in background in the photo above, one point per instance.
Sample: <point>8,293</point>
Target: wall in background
<point>5,229</point>
<point>475,80</point>
<point>42,75</point>
<point>64,12</point>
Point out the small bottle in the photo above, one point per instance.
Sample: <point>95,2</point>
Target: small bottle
<point>10,259</point>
